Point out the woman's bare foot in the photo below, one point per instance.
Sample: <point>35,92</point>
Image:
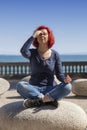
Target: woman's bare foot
<point>46,99</point>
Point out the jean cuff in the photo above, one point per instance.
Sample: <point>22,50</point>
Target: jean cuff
<point>50,97</point>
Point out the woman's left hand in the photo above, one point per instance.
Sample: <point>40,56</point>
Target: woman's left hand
<point>67,79</point>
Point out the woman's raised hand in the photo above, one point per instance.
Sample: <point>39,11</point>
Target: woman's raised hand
<point>36,33</point>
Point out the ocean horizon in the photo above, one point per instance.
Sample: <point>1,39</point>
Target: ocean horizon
<point>64,57</point>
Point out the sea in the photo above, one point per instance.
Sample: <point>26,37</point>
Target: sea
<point>64,57</point>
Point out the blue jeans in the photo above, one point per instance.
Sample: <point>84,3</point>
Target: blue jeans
<point>56,92</point>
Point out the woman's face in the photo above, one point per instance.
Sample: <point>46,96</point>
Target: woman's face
<point>43,37</point>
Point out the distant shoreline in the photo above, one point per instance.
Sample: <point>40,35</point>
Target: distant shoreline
<point>64,57</point>
<point>60,54</point>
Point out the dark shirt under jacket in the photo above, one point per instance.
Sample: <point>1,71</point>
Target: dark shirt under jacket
<point>42,71</point>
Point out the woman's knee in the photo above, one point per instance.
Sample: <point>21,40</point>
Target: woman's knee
<point>20,85</point>
<point>68,88</point>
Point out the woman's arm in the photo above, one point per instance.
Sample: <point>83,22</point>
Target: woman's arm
<point>25,51</point>
<point>58,68</point>
<point>59,71</point>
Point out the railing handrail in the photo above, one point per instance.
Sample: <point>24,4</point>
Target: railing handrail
<point>14,63</point>
<point>27,63</point>
<point>75,62</point>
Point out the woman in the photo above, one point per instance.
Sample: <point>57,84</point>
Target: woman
<point>44,63</point>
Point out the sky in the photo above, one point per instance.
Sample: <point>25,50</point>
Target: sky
<point>66,18</point>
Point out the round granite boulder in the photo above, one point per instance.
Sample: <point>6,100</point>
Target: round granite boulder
<point>68,116</point>
<point>27,78</point>
<point>4,85</point>
<point>79,87</point>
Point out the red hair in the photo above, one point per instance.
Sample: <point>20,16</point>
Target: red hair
<point>50,37</point>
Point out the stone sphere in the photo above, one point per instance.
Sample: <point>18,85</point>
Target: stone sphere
<point>68,116</point>
<point>79,87</point>
<point>4,85</point>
